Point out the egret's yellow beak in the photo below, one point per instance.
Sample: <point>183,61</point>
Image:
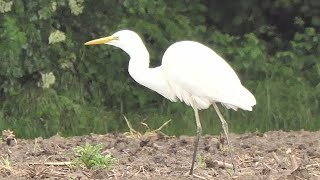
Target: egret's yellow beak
<point>101,40</point>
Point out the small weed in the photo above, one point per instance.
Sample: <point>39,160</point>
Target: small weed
<point>6,163</point>
<point>201,160</point>
<point>5,166</point>
<point>91,157</point>
<point>36,146</point>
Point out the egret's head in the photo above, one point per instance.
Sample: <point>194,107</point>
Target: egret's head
<point>127,40</point>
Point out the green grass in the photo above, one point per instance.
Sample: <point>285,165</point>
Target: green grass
<point>289,105</point>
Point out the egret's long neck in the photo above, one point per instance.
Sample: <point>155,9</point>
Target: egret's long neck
<point>139,58</point>
<point>152,78</point>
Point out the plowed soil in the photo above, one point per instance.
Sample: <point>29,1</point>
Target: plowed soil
<point>272,155</point>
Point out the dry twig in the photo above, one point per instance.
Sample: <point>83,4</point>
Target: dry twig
<point>67,163</point>
<point>293,159</point>
<point>276,158</point>
<point>219,164</point>
<point>136,134</point>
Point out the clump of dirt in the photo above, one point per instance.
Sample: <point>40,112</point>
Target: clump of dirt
<point>272,155</point>
<point>9,137</point>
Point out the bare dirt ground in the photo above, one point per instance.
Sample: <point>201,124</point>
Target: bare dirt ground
<point>272,155</point>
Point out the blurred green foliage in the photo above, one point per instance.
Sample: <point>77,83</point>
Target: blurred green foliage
<point>50,82</point>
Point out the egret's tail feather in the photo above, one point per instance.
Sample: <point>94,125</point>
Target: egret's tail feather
<point>243,99</point>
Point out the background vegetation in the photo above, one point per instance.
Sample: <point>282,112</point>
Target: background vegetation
<point>50,82</point>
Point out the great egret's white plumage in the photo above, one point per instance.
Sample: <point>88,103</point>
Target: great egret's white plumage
<point>190,72</point>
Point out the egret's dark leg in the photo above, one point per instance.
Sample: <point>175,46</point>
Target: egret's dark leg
<point>196,141</point>
<point>226,132</point>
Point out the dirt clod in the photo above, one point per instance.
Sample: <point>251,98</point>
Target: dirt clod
<point>9,137</point>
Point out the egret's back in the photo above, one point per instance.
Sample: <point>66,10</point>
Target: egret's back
<point>199,77</point>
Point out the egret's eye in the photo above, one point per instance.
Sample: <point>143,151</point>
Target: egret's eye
<point>116,38</point>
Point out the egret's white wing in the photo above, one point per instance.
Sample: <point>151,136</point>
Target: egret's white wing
<point>199,76</point>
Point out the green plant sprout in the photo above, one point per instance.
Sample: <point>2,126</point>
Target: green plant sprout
<point>91,157</point>
<point>6,163</point>
<point>201,159</point>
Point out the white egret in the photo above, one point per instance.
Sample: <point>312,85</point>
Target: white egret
<point>190,72</point>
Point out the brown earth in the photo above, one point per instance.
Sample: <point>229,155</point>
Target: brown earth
<point>272,155</point>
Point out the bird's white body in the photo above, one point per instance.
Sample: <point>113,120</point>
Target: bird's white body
<point>199,77</point>
<point>192,73</point>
